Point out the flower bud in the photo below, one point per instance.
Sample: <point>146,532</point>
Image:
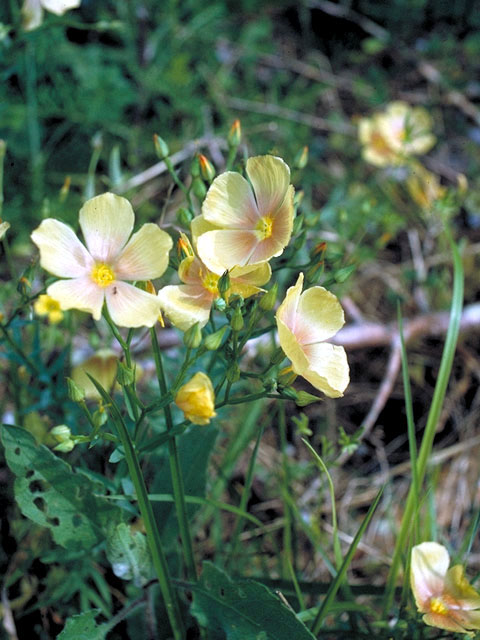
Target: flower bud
<point>290,393</point>
<point>299,241</point>
<point>184,247</point>
<point>61,433</point>
<point>297,224</point>
<point>192,336</point>
<point>220,304</point>
<point>233,373</point>
<point>237,320</point>
<point>235,134</point>
<point>223,284</point>
<point>301,159</point>
<point>267,301</point>
<point>161,147</point>
<point>214,340</point>
<point>75,393</point>
<point>125,374</point>
<point>65,447</point>
<point>207,170</point>
<point>198,188</point>
<point>184,216</point>
<point>196,399</point>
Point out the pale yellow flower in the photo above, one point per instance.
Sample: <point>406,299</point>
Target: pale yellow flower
<point>391,137</point>
<point>444,595</point>
<point>188,303</point>
<point>196,399</point>
<point>102,366</point>
<point>99,273</point>
<point>424,187</point>
<point>32,10</point>
<point>304,321</point>
<point>242,223</point>
<point>45,305</point>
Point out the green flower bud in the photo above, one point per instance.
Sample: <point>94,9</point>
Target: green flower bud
<point>214,340</point>
<point>223,284</point>
<point>193,336</point>
<point>184,216</point>
<point>304,399</point>
<point>235,134</point>
<point>233,372</point>
<point>207,170</point>
<point>267,301</point>
<point>125,374</point>
<point>99,417</point>
<point>61,433</point>
<point>301,159</point>
<point>161,147</point>
<point>297,224</point>
<point>65,447</point>
<point>195,167</point>
<point>198,188</point>
<point>299,241</point>
<point>237,320</point>
<point>75,393</point>
<point>220,304</point>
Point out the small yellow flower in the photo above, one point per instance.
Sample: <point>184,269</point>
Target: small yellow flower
<point>97,274</point>
<point>102,366</point>
<point>45,305</point>
<point>241,225</point>
<point>196,399</point>
<point>189,303</point>
<point>32,10</point>
<point>304,321</point>
<point>444,595</point>
<point>389,138</point>
<point>424,187</point>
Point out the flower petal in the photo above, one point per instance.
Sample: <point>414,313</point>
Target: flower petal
<point>458,587</point>
<point>270,177</point>
<point>319,316</point>
<point>291,348</point>
<point>442,622</point>
<point>79,293</point>
<point>327,369</point>
<point>224,249</point>
<point>281,231</point>
<point>145,255</point>
<point>183,308</point>
<point>199,226</point>
<point>32,14</point>
<point>61,252</point>
<point>255,274</point>
<point>106,222</point>
<point>287,311</point>
<point>60,6</point>
<point>131,307</point>
<point>429,564</point>
<point>230,202</point>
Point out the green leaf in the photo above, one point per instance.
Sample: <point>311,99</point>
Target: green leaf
<point>128,554</point>
<point>84,627</point>
<point>51,494</point>
<point>242,609</point>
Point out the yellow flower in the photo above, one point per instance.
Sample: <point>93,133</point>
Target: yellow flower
<point>304,321</point>
<point>444,595</point>
<point>99,273</point>
<point>45,305</point>
<point>389,138</point>
<point>196,399</point>
<point>191,302</point>
<point>424,187</point>
<point>241,225</point>
<point>32,10</point>
<point>102,366</point>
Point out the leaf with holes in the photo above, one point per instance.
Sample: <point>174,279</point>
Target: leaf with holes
<point>51,494</point>
<point>243,609</point>
<point>84,627</point>
<point>128,554</point>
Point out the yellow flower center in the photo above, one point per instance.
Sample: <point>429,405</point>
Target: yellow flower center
<point>210,283</point>
<point>264,227</point>
<point>437,606</point>
<point>103,275</point>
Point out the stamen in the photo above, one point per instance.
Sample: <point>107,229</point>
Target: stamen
<point>210,283</point>
<point>437,606</point>
<point>103,275</point>
<point>264,227</point>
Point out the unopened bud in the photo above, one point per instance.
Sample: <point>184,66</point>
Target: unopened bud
<point>198,188</point>
<point>61,433</point>
<point>193,336</point>
<point>75,393</point>
<point>297,224</point>
<point>237,320</point>
<point>184,216</point>
<point>301,159</point>
<point>235,134</point>
<point>233,373</point>
<point>214,340</point>
<point>195,167</point>
<point>290,393</point>
<point>184,247</point>
<point>299,241</point>
<point>125,374</point>
<point>65,447</point>
<point>267,301</point>
<point>298,198</point>
<point>161,147</point>
<point>223,284</point>
<point>207,170</point>
<point>304,399</point>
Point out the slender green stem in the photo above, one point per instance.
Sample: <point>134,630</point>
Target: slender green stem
<point>432,420</point>
<point>146,510</point>
<point>29,363</point>
<point>175,469</point>
<point>178,182</point>
<point>287,555</point>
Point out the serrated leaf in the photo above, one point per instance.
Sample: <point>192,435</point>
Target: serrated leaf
<point>243,609</point>
<point>128,554</point>
<point>51,494</point>
<point>84,627</point>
